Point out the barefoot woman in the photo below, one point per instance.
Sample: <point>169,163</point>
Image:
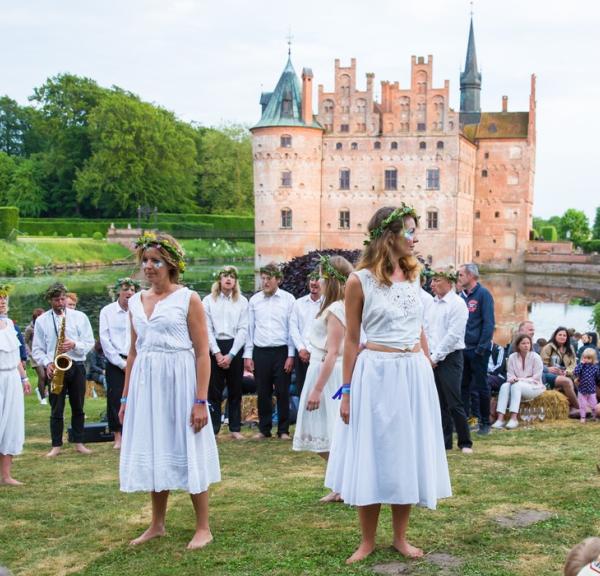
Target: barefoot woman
<point>167,444</point>
<point>394,450</point>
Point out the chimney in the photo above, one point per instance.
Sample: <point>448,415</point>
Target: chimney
<point>504,103</point>
<point>307,113</point>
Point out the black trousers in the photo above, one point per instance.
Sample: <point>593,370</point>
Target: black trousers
<point>476,393</point>
<point>300,368</point>
<point>448,379</point>
<point>270,376</point>
<point>230,378</point>
<point>115,381</point>
<point>74,386</point>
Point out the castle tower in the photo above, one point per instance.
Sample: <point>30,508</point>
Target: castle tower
<point>286,146</point>
<point>470,85</point>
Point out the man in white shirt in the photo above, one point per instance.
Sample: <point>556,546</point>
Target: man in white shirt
<point>305,310</point>
<point>115,340</point>
<point>447,318</point>
<point>79,340</point>
<point>269,350</point>
<point>227,322</point>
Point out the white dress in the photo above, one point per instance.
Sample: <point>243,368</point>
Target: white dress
<point>392,451</point>
<point>314,429</point>
<point>160,450</point>
<point>12,404</point>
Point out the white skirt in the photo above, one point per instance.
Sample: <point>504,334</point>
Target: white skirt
<point>392,451</point>
<point>160,450</point>
<point>314,428</point>
<point>12,413</point>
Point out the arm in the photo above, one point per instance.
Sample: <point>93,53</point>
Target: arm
<point>295,327</point>
<point>199,336</point>
<point>212,341</point>
<point>130,361</point>
<point>85,341</point>
<point>335,338</point>
<point>290,341</point>
<point>570,361</point>
<point>107,346</point>
<point>424,344</point>
<point>38,350</point>
<point>538,369</point>
<point>242,330</point>
<point>511,375</point>
<point>249,347</point>
<point>489,323</point>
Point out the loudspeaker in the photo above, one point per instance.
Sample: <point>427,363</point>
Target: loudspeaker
<point>94,432</point>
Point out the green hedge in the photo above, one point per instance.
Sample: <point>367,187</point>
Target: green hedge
<point>549,233</point>
<point>591,246</point>
<point>9,220</point>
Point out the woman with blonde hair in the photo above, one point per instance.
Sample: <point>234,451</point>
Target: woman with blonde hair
<point>318,410</point>
<point>394,447</point>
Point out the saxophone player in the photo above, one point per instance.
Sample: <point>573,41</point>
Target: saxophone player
<point>78,341</point>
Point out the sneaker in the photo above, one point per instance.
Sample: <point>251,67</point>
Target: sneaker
<point>483,431</point>
<point>44,401</point>
<point>498,424</point>
<point>512,424</point>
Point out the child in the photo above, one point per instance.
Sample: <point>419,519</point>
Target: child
<point>588,373</point>
<point>583,558</point>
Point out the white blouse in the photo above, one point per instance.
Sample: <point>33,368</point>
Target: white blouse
<point>317,337</point>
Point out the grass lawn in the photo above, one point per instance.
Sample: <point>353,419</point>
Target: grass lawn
<point>70,518</point>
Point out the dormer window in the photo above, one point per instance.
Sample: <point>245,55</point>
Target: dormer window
<point>286,104</point>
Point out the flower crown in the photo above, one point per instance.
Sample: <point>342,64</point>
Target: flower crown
<point>271,270</point>
<point>328,271</point>
<point>314,275</point>
<point>398,214</point>
<point>151,240</point>
<point>227,270</point>
<point>128,281</point>
<point>449,274</point>
<point>5,290</point>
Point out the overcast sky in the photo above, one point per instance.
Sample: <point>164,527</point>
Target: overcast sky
<point>209,60</point>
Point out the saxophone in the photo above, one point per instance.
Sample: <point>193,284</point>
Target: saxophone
<point>61,361</point>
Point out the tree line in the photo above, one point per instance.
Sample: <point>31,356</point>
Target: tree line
<point>79,149</point>
<point>573,225</point>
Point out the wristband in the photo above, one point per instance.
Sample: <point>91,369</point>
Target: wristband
<point>199,401</point>
<point>24,378</point>
<point>124,400</point>
<point>346,389</point>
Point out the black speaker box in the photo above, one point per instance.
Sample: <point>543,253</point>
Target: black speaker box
<point>94,432</point>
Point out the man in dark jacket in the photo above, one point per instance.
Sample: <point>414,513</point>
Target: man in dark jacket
<point>478,345</point>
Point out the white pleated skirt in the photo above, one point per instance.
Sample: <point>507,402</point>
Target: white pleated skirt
<point>314,429</point>
<point>392,451</point>
<point>12,413</point>
<point>160,450</point>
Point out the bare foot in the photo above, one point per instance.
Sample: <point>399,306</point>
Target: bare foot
<point>331,497</point>
<point>408,550</point>
<point>237,436</point>
<point>82,449</point>
<point>201,539</point>
<point>260,436</point>
<point>11,481</point>
<point>285,437</point>
<point>54,452</point>
<point>117,445</point>
<point>361,553</point>
<point>152,532</point>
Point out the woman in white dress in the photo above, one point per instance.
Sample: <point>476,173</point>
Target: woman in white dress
<point>13,382</point>
<point>394,446</point>
<point>166,443</point>
<point>318,410</point>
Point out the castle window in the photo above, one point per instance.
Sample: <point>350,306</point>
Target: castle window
<point>477,253</point>
<point>433,179</point>
<point>328,106</point>
<point>432,220</point>
<point>286,104</point>
<point>440,145</point>
<point>377,145</point>
<point>394,146</point>
<point>477,215</point>
<point>391,179</point>
<point>486,155</point>
<point>344,219</point>
<point>361,106</point>
<point>338,146</point>
<point>286,141</point>
<point>496,214</point>
<point>421,127</point>
<point>286,179</point>
<point>286,218</point>
<point>344,128</point>
<point>354,146</point>
<point>484,173</point>
<point>345,179</point>
<point>422,146</point>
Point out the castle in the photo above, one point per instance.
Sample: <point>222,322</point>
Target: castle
<point>319,178</point>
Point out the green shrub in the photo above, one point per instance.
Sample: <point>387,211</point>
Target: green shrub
<point>549,233</point>
<point>70,235</point>
<point>591,246</point>
<point>9,220</point>
<point>97,235</point>
<point>83,235</point>
<point>596,316</point>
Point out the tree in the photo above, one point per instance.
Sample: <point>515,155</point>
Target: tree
<point>7,169</point>
<point>14,127</point>
<point>141,155</point>
<point>574,225</point>
<point>25,190</point>
<point>596,228</point>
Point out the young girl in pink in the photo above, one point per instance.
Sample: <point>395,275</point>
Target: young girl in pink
<point>588,373</point>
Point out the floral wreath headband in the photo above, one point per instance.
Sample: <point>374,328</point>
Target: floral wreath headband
<point>5,290</point>
<point>150,240</point>
<point>328,271</point>
<point>314,275</point>
<point>226,272</point>
<point>449,274</point>
<point>270,270</point>
<point>398,214</point>
<point>127,281</point>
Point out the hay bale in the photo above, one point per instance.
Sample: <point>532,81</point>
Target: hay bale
<point>249,408</point>
<point>555,405</point>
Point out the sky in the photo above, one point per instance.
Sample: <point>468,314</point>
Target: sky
<point>208,61</point>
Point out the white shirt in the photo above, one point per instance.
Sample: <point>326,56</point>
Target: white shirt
<point>115,333</point>
<point>426,300</point>
<point>226,319</point>
<point>47,328</point>
<point>269,321</point>
<point>447,321</point>
<point>305,310</point>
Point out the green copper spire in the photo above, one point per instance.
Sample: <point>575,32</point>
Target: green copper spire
<point>470,84</point>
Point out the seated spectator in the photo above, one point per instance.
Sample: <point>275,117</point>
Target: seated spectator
<point>584,558</point>
<point>587,373</point>
<point>590,341</point>
<point>559,363</point>
<point>496,371</point>
<point>540,343</point>
<point>97,365</point>
<point>524,381</point>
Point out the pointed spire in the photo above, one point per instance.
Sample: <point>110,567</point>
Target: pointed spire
<point>470,83</point>
<point>471,73</point>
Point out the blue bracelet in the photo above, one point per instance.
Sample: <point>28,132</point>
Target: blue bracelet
<point>124,400</point>
<point>346,389</point>
<point>200,401</point>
